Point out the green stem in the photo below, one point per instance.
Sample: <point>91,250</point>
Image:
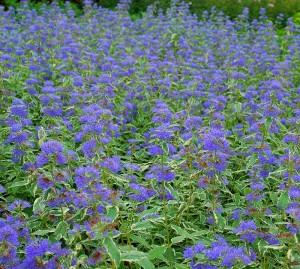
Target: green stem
<point>265,262</point>
<point>167,224</point>
<point>178,218</point>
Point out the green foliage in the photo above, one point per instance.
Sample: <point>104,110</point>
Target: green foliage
<point>296,18</point>
<point>11,3</point>
<point>233,8</point>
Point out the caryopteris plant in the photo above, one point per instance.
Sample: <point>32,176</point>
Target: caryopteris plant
<point>160,142</point>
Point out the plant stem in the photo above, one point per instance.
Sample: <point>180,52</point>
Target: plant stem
<point>166,223</point>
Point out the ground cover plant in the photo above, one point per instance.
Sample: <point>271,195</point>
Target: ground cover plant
<point>163,142</point>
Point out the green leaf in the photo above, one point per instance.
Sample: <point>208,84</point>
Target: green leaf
<point>133,256</point>
<point>80,214</point>
<point>61,230</point>
<point>195,141</point>
<point>275,247</point>
<point>150,211</point>
<point>220,220</point>
<point>283,200</point>
<point>237,198</point>
<point>268,122</point>
<point>251,162</point>
<point>169,254</point>
<point>57,211</point>
<point>44,232</point>
<point>112,250</point>
<point>41,135</point>
<point>144,167</point>
<point>172,191</point>
<point>247,190</point>
<point>141,225</point>
<point>262,246</point>
<point>182,232</point>
<point>177,239</point>
<point>19,184</point>
<point>38,205</point>
<point>165,147</point>
<point>140,240</point>
<point>33,189</point>
<point>238,107</point>
<point>157,252</point>
<point>181,266</point>
<point>113,212</point>
<point>187,143</point>
<point>146,264</point>
<point>273,197</point>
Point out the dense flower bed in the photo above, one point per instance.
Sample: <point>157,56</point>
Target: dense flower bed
<point>166,142</point>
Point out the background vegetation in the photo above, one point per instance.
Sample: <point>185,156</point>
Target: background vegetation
<point>231,8</point>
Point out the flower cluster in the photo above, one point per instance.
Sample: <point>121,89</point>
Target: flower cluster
<point>220,250</point>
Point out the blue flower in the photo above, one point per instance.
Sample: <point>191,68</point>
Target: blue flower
<point>2,189</point>
<point>294,192</point>
<point>195,265</point>
<point>188,253</point>
<point>113,164</point>
<point>44,182</point>
<point>9,234</point>
<point>247,229</point>
<point>19,108</point>
<point>132,166</point>
<point>52,146</point>
<point>141,193</point>
<point>43,254</point>
<point>84,175</point>
<point>215,140</point>
<point>161,173</point>
<point>155,150</point>
<point>19,204</point>
<point>49,149</point>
